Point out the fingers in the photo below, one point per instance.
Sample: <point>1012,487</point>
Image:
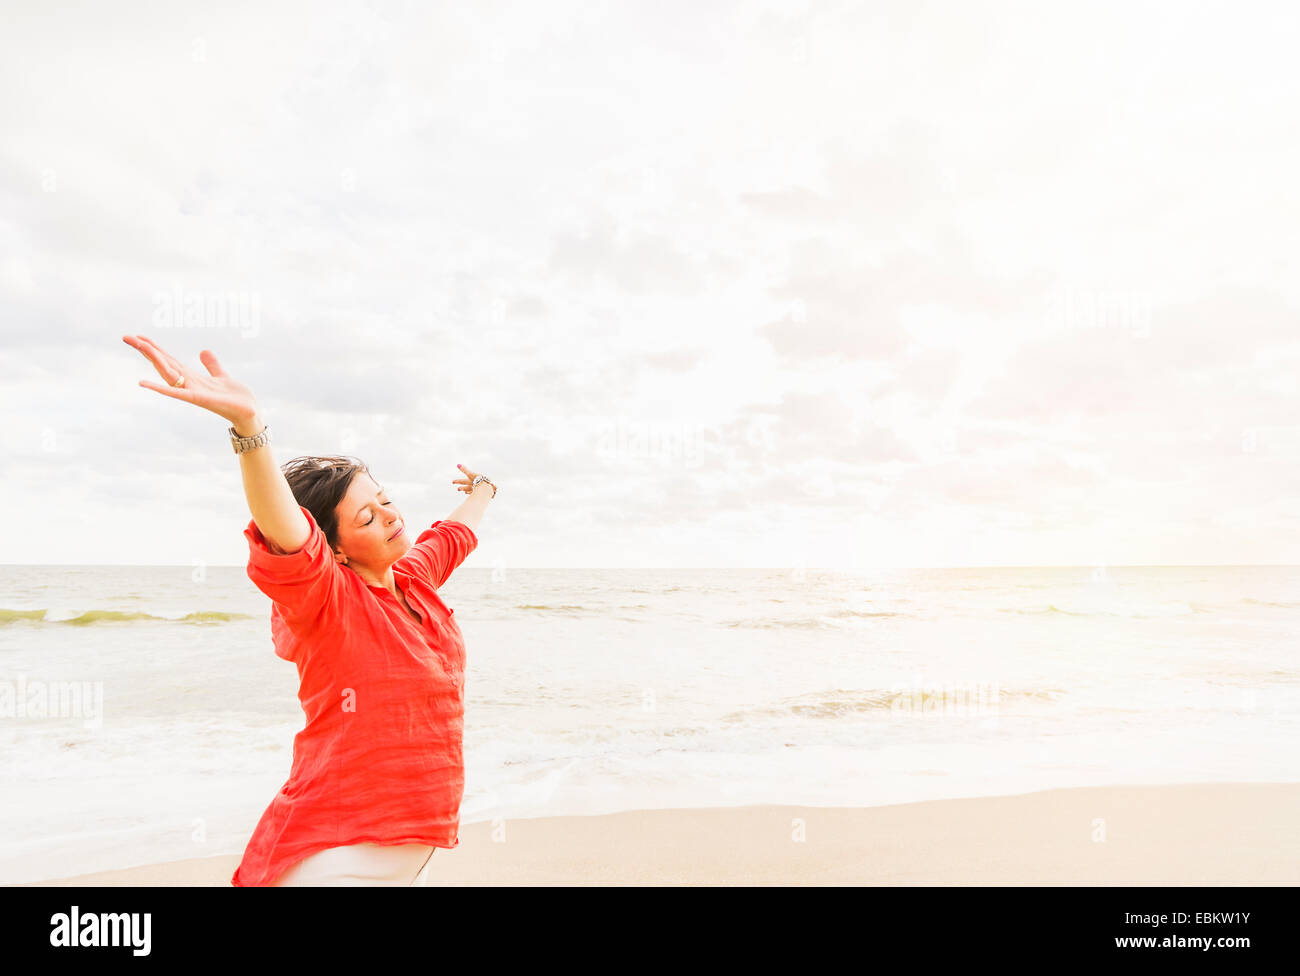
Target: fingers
<point>209,359</point>
<point>166,365</point>
<point>178,392</point>
<point>153,358</point>
<point>463,483</point>
<point>165,356</point>
<point>173,369</point>
<point>146,349</point>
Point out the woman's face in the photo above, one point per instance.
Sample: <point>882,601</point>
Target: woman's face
<point>372,533</point>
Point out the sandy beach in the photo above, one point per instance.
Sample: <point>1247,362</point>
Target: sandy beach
<point>1200,834</point>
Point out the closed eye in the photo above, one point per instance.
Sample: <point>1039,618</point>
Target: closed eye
<point>372,518</point>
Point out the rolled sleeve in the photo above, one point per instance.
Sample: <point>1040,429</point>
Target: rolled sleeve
<point>439,550</point>
<point>304,585</point>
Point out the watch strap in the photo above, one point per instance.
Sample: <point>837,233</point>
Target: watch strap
<point>242,444</point>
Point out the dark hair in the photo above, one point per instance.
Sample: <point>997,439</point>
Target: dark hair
<point>319,484</point>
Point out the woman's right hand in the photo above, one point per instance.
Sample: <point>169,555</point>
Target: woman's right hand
<point>218,392</point>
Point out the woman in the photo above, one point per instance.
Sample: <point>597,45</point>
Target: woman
<point>378,771</point>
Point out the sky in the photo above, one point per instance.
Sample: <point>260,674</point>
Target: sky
<point>755,284</point>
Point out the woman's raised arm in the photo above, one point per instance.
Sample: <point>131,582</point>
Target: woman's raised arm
<point>270,499</point>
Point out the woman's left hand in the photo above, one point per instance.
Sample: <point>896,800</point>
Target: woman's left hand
<point>463,483</point>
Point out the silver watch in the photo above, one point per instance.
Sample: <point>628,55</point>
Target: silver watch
<point>242,444</point>
<point>479,477</point>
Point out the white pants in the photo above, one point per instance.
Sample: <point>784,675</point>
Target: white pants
<point>362,864</point>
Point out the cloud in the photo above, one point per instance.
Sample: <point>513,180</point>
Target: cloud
<point>841,306</point>
<point>809,428</point>
<point>633,261</point>
<point>1134,378</point>
<point>800,267</point>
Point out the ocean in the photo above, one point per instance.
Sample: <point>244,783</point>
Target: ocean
<point>144,716</point>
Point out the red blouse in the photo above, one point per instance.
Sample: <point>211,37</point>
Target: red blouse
<point>379,758</point>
